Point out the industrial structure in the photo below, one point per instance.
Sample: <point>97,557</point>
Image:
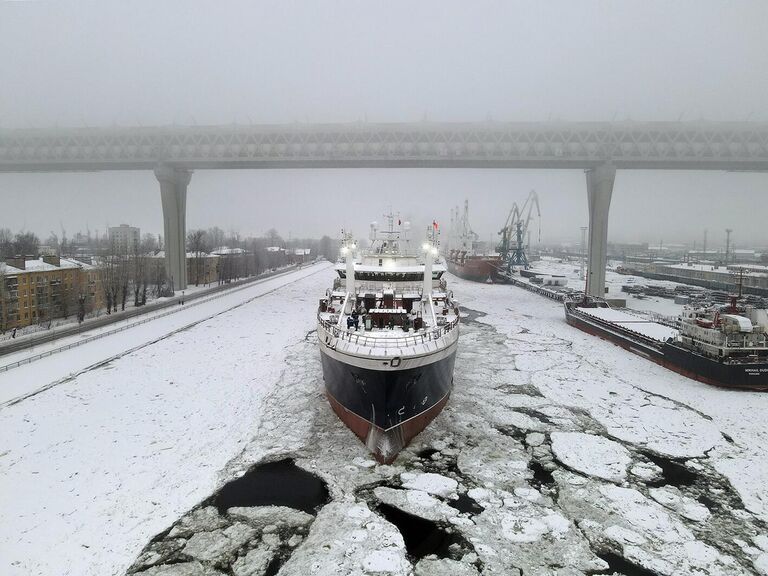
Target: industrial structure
<point>599,148</point>
<point>512,246</point>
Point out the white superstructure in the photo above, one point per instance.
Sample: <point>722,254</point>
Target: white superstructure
<point>389,301</point>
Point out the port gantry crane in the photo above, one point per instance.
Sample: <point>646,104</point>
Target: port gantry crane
<point>513,251</point>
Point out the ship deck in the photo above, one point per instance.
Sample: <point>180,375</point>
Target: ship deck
<point>637,324</point>
<point>389,328</point>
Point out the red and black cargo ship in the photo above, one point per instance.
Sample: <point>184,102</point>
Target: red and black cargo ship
<point>478,268</point>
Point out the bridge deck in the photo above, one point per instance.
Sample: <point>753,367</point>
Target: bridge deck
<point>578,145</point>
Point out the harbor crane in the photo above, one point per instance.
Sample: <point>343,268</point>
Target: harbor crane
<point>512,248</point>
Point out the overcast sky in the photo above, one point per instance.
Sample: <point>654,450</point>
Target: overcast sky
<point>148,63</point>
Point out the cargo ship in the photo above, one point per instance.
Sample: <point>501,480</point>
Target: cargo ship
<point>465,258</point>
<point>719,345</point>
<point>388,331</point>
<point>475,267</point>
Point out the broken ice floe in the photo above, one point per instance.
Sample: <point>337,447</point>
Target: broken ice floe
<point>489,487</point>
<point>591,455</point>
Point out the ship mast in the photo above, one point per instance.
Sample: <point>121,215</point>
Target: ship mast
<point>348,247</point>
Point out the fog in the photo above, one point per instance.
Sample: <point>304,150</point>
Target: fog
<point>157,63</point>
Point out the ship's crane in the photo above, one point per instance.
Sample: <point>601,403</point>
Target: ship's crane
<point>512,248</point>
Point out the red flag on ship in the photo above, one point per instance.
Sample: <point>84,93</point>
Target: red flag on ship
<point>434,224</point>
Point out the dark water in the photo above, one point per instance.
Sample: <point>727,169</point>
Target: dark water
<point>423,537</point>
<point>274,566</point>
<point>466,504</point>
<point>470,316</point>
<point>427,453</point>
<point>674,473</point>
<point>711,504</point>
<point>623,566</point>
<point>541,477</point>
<point>273,484</point>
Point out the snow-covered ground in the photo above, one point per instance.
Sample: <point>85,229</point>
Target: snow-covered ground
<point>122,336</point>
<point>613,281</point>
<point>558,453</point>
<point>58,324</point>
<point>91,467</point>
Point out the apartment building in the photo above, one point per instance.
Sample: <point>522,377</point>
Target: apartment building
<point>37,290</point>
<point>125,239</point>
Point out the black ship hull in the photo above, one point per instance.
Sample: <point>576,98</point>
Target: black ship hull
<point>387,408</point>
<point>748,375</point>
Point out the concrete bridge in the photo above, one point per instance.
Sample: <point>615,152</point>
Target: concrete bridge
<point>173,152</point>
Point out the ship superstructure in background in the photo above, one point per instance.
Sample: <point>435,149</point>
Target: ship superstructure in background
<point>514,252</point>
<point>465,257</point>
<point>720,345</point>
<point>388,332</point>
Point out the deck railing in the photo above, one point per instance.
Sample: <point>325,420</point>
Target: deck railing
<point>407,339</point>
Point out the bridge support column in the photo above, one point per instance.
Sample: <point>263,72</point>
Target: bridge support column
<point>599,190</point>
<point>173,192</point>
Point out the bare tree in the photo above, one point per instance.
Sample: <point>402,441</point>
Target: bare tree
<point>6,243</point>
<point>216,237</point>
<point>80,295</point>
<point>4,299</point>
<point>197,244</point>
<point>53,242</point>
<point>149,243</point>
<point>26,243</point>
<point>328,248</point>
<point>139,277</point>
<point>158,278</point>
<point>256,258</point>
<point>110,278</point>
<point>105,276</point>
<point>124,276</point>
<point>274,238</point>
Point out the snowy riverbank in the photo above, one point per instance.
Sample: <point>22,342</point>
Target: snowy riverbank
<point>557,453</point>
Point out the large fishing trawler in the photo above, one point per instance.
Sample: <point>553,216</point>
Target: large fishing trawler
<point>388,333</point>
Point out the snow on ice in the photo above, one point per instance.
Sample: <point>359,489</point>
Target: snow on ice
<point>591,455</point>
<point>558,453</point>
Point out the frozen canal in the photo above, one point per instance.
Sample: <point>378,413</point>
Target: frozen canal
<point>212,451</point>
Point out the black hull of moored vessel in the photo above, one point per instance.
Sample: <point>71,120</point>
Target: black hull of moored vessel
<point>387,408</point>
<point>742,375</point>
<point>748,375</point>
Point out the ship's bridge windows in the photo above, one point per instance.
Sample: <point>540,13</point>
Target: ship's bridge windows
<point>391,276</point>
<point>385,276</point>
